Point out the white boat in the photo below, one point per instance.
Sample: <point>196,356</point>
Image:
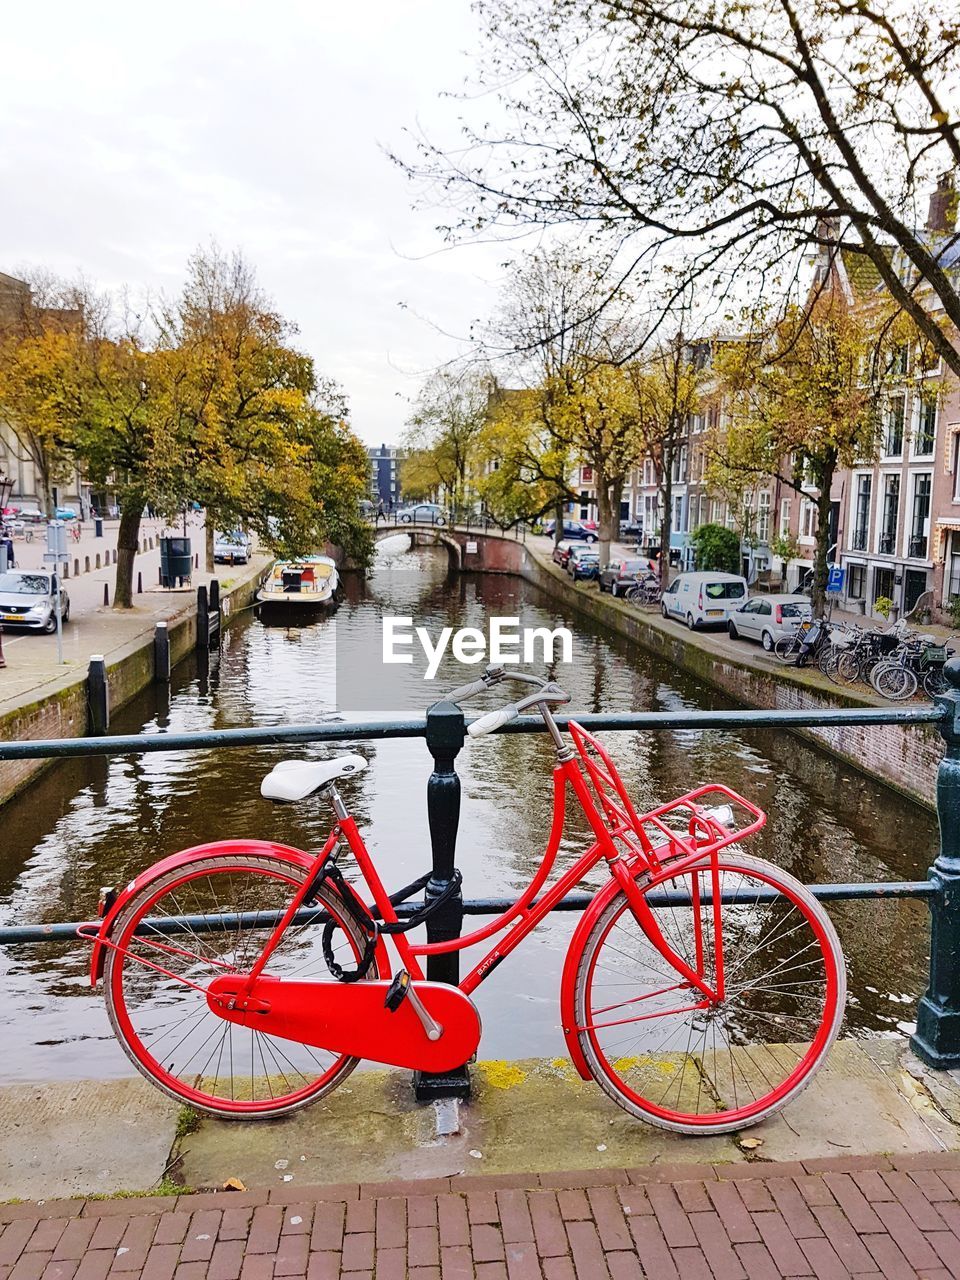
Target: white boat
<point>304,584</point>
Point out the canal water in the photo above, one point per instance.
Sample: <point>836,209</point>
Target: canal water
<point>89,823</point>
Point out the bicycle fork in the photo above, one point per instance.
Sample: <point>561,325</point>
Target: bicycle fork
<point>646,918</point>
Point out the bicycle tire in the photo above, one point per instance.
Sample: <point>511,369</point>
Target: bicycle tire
<point>786,649</point>
<point>128,982</point>
<point>648,1064</point>
<point>935,682</point>
<point>849,669</point>
<point>893,681</point>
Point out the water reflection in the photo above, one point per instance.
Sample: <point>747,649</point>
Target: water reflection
<point>94,822</point>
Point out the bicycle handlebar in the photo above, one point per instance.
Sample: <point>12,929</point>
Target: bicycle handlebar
<point>493,720</point>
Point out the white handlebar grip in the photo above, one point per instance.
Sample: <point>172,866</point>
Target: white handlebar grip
<point>487,723</point>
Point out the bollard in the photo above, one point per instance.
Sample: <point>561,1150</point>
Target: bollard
<point>161,653</point>
<point>76,568</point>
<point>97,560</point>
<point>445,736</point>
<point>139,584</point>
<point>86,564</point>
<point>106,595</point>
<point>937,1037</point>
<point>98,697</point>
<point>160,577</point>
<point>114,554</point>
<point>196,561</point>
<point>203,619</point>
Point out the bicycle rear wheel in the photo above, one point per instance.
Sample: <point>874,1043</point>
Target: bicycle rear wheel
<point>163,1021</point>
<point>663,1052</point>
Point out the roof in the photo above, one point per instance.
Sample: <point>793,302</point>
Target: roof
<point>861,271</point>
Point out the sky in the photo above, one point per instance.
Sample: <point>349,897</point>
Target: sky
<point>131,134</point>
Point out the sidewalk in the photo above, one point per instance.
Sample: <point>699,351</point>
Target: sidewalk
<point>868,1217</point>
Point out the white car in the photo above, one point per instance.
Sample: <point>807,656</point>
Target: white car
<point>703,599</point>
<point>232,548</point>
<point>28,598</point>
<point>769,618</point>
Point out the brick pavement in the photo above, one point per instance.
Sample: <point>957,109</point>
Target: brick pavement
<point>866,1217</point>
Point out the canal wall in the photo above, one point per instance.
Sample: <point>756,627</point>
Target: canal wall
<point>904,757</point>
<point>60,710</point>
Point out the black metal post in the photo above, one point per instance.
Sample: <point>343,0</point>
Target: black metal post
<point>213,617</point>
<point>445,736</point>
<point>161,653</point>
<point>937,1037</point>
<point>203,619</point>
<point>98,696</point>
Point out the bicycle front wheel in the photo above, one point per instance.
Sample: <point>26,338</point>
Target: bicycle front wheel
<point>163,1020</point>
<point>786,649</point>
<point>678,1060</point>
<point>893,681</point>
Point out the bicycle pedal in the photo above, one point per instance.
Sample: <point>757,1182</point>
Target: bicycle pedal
<point>397,991</point>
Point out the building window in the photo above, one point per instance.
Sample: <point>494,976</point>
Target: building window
<point>887,540</point>
<point>894,414</point>
<point>920,521</point>
<point>861,514</point>
<point>954,588</point>
<point>857,581</point>
<point>648,479</point>
<point>678,514</point>
<point>926,427</point>
<point>680,465</point>
<point>763,516</point>
<point>808,520</point>
<point>716,511</point>
<point>784,517</point>
<point>900,361</point>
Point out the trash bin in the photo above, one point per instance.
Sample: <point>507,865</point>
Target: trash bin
<point>97,527</point>
<point>176,561</point>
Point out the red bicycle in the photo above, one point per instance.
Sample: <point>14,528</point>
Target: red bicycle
<point>701,990</point>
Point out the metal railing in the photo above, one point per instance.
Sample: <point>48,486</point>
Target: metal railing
<point>937,1036</point>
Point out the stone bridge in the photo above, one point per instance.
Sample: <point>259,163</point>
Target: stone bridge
<point>468,549</point>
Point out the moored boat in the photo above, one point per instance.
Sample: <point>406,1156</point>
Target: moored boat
<point>301,585</point>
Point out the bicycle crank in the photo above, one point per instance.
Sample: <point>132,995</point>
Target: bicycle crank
<point>355,1019</point>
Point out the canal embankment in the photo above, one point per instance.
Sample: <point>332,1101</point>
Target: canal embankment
<point>54,702</point>
<point>904,757</point>
<point>532,1117</point>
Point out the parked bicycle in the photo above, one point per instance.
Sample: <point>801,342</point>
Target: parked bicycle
<point>702,988</point>
<point>646,592</point>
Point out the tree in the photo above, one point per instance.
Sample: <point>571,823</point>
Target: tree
<point>39,399</point>
<point>667,385</point>
<point>243,392</point>
<point>715,140</point>
<point>443,430</point>
<point>567,329</point>
<point>717,547</point>
<point>523,464</point>
<point>806,398</point>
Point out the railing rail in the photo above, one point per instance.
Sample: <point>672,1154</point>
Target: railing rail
<point>937,1038</point>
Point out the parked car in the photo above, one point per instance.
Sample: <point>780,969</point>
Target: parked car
<point>28,598</point>
<point>630,529</point>
<point>422,513</point>
<point>586,554</point>
<point>620,574</point>
<point>769,618</point>
<point>703,599</point>
<point>560,553</point>
<point>234,547</point>
<point>573,531</point>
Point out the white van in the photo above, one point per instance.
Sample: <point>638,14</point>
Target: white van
<point>703,599</point>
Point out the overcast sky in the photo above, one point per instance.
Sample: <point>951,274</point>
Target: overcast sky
<point>131,134</point>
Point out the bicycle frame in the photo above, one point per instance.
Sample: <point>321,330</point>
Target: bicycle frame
<point>642,858</point>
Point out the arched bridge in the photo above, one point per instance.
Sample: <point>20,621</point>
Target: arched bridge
<point>469,549</point>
